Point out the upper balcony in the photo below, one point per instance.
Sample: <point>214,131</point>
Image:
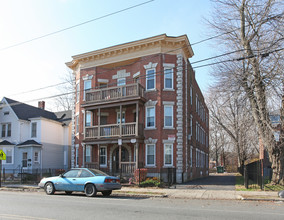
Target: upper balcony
<point>123,93</point>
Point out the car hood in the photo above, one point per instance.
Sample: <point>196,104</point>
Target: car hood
<point>49,178</point>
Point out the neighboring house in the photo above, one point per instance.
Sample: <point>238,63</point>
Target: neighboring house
<point>138,105</point>
<point>33,138</point>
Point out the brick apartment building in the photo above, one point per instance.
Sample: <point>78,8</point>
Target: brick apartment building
<point>138,105</point>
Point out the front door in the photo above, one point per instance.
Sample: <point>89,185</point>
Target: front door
<point>115,157</point>
<point>25,160</point>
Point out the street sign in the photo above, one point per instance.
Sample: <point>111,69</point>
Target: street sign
<point>2,155</point>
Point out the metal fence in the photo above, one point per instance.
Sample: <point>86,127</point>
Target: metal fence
<point>256,175</point>
<point>140,176</point>
<point>31,176</point>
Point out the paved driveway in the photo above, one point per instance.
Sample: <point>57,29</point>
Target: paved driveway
<point>213,182</point>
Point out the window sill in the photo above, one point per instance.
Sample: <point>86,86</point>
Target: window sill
<point>169,90</point>
<point>169,128</point>
<point>168,166</point>
<point>152,128</point>
<point>150,166</point>
<point>103,166</point>
<point>150,90</point>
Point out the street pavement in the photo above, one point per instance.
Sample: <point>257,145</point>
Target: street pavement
<point>216,187</point>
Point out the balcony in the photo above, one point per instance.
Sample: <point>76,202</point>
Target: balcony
<point>114,94</point>
<point>114,131</point>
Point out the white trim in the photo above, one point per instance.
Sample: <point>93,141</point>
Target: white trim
<point>150,65</point>
<point>135,75</point>
<point>169,65</point>
<point>121,74</point>
<point>168,103</point>
<point>103,80</point>
<point>87,77</point>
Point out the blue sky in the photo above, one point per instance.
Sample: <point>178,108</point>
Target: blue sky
<point>41,63</point>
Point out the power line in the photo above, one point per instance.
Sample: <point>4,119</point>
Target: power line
<point>77,25</point>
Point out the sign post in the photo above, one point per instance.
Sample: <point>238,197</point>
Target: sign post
<point>2,157</point>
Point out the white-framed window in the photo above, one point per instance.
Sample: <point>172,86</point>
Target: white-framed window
<point>77,155</point>
<point>88,153</point>
<point>36,157</point>
<point>6,130</point>
<point>150,79</point>
<point>103,156</point>
<point>88,119</point>
<point>150,117</point>
<point>9,156</point>
<point>190,125</point>
<point>77,92</point>
<point>168,78</point>
<point>87,86</point>
<point>121,81</point>
<point>150,154</point>
<point>168,116</point>
<point>77,124</point>
<point>168,154</point>
<point>122,117</point>
<point>34,129</point>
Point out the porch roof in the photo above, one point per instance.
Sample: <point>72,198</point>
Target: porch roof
<point>6,143</point>
<point>29,143</point>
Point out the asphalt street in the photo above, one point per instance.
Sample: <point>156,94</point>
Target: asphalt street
<point>212,182</point>
<point>38,205</point>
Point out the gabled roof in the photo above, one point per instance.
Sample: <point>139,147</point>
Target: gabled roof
<point>29,142</point>
<point>25,112</point>
<point>64,116</point>
<point>5,143</point>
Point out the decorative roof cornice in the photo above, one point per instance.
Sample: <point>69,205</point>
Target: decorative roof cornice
<point>160,44</point>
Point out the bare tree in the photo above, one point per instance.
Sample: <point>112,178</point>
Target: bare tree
<point>254,30</point>
<point>64,102</point>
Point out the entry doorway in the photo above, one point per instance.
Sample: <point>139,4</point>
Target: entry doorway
<point>115,158</point>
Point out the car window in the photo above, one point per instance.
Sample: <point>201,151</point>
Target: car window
<point>98,172</point>
<point>71,174</point>
<point>85,173</point>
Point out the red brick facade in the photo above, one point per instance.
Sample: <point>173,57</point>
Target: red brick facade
<point>167,109</point>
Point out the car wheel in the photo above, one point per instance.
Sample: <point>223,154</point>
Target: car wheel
<point>68,192</point>
<point>90,190</point>
<point>49,188</point>
<point>107,193</point>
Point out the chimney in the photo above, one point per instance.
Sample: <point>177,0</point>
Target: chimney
<point>41,104</point>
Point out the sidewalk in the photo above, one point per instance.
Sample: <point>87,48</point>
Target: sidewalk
<point>173,193</point>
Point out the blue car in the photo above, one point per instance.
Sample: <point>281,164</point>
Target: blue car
<point>85,180</point>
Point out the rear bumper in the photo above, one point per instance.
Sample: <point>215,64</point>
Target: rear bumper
<point>107,186</point>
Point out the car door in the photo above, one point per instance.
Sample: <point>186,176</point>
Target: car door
<point>84,177</point>
<point>68,181</point>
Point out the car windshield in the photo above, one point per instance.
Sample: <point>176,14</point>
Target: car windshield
<point>98,172</point>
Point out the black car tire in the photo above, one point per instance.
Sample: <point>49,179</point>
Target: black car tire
<point>90,190</point>
<point>68,192</point>
<point>107,193</point>
<point>49,188</point>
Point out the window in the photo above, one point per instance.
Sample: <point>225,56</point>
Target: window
<point>103,156</point>
<point>168,154</point>
<point>77,92</point>
<point>150,155</point>
<point>87,86</point>
<point>136,79</point>
<point>72,174</point>
<point>190,126</point>
<point>190,95</point>
<point>77,155</point>
<point>168,116</point>
<point>6,113</point>
<point>150,79</point>
<point>122,118</point>
<point>77,124</point>
<point>88,119</point>
<point>3,130</point>
<point>9,156</point>
<point>6,130</point>
<point>102,85</point>
<point>34,125</point>
<point>88,153</point>
<point>121,82</point>
<point>168,74</point>
<point>36,157</point>
<point>150,117</point>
